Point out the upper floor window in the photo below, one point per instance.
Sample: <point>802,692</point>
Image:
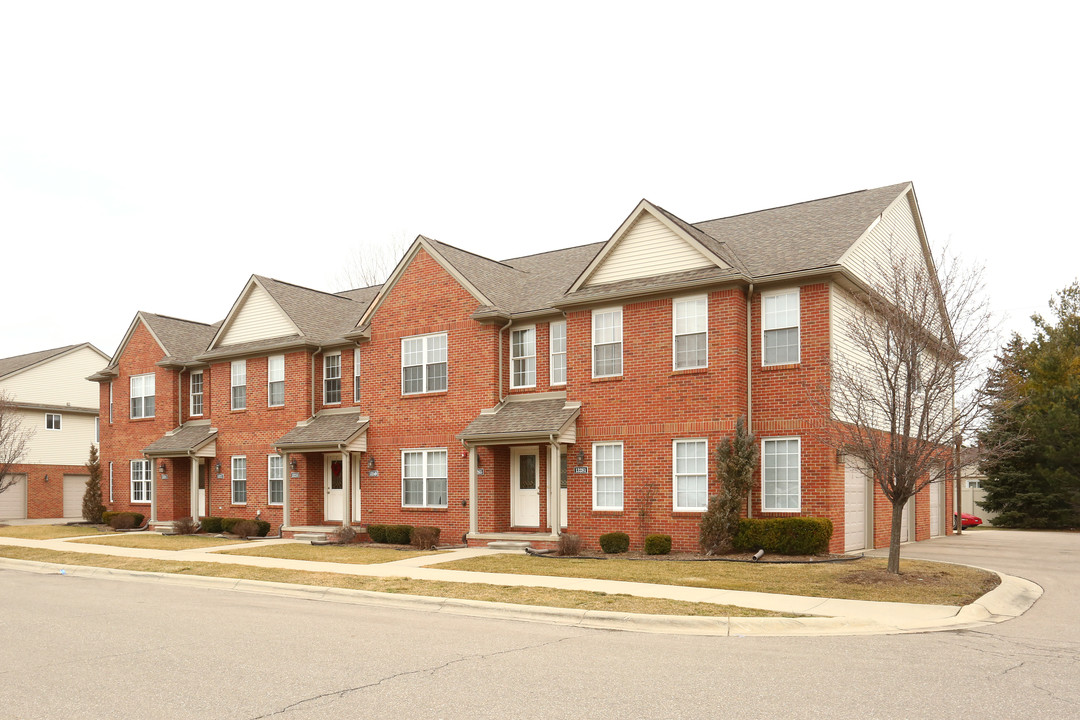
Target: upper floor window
<point>331,378</point>
<point>140,481</point>
<point>558,352</point>
<point>691,475</point>
<point>780,327</point>
<point>142,396</point>
<point>423,478</point>
<point>195,384</point>
<point>52,421</point>
<point>607,476</point>
<point>781,488</point>
<point>691,324</point>
<point>275,380</point>
<point>238,395</point>
<point>110,403</point>
<point>356,375</point>
<point>423,364</point>
<point>607,342</point>
<point>523,358</point>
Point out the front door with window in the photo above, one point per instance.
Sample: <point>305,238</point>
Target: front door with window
<point>354,480</point>
<point>525,487</point>
<point>335,491</point>
<point>203,512</point>
<point>562,490</point>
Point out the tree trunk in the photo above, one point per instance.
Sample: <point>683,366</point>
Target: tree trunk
<point>894,537</point>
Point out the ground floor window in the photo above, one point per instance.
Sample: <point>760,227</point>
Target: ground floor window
<point>239,480</point>
<point>423,478</point>
<point>275,473</point>
<point>140,481</point>
<point>781,489</point>
<point>607,476</point>
<point>691,482</point>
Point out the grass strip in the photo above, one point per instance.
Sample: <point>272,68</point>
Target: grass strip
<point>352,554</point>
<point>47,532</point>
<point>157,541</point>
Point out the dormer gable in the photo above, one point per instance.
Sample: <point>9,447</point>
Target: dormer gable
<point>255,315</point>
<point>647,244</point>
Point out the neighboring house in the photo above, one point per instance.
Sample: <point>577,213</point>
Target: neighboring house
<point>584,389</point>
<point>59,406</point>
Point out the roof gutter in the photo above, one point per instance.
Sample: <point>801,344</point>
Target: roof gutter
<point>667,289</point>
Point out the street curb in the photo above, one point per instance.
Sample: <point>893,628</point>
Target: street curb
<point>1010,599</point>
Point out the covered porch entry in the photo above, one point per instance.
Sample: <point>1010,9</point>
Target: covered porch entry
<point>180,471</point>
<point>517,469</point>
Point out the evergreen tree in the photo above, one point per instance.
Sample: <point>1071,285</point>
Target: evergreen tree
<point>91,503</point>
<point>736,459</point>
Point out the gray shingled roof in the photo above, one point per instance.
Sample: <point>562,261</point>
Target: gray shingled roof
<point>21,362</point>
<point>320,316</point>
<point>188,437</point>
<point>183,339</point>
<point>651,284</point>
<point>361,295</point>
<point>329,429</point>
<point>521,418</point>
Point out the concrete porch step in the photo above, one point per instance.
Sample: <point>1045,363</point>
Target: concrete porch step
<point>311,536</point>
<point>161,526</point>
<point>509,544</point>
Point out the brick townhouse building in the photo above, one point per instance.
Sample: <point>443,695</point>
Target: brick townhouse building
<point>581,390</point>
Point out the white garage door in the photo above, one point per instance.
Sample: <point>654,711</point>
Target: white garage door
<point>937,495</point>
<point>74,489</point>
<point>855,492</point>
<point>904,524</point>
<point>13,500</point>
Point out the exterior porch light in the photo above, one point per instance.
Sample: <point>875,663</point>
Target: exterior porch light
<point>217,467</point>
<point>292,464</point>
<point>371,462</point>
<point>161,467</point>
<point>580,456</point>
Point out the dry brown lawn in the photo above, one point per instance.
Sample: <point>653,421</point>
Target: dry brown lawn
<point>47,532</point>
<point>864,579</point>
<point>157,541</point>
<point>353,554</point>
<point>574,599</point>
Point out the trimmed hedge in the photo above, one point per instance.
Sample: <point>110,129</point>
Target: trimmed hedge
<point>264,527</point>
<point>211,524</point>
<point>137,518</point>
<point>377,533</point>
<point>658,545</point>
<point>227,524</point>
<point>784,536</point>
<point>425,537</point>
<point>399,534</point>
<point>615,542</point>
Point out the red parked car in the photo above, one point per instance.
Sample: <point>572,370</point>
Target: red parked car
<point>967,520</point>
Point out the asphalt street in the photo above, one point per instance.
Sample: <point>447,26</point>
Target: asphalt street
<point>75,647</point>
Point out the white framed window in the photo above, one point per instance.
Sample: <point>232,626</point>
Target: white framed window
<point>110,481</point>
<point>97,430</point>
<point>781,476</point>
<point>607,476</point>
<point>331,378</point>
<point>356,375</point>
<point>275,381</point>
<point>110,404</point>
<point>140,481</point>
<point>238,384</point>
<point>275,479</point>
<point>142,396</point>
<point>607,342</point>
<point>523,357</point>
<point>557,343</point>
<point>239,480</point>
<point>780,327</point>
<point>691,470</point>
<point>690,323</point>
<point>52,421</point>
<point>423,364</point>
<point>195,387</point>
<point>423,478</point>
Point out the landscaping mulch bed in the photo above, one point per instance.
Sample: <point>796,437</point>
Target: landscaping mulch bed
<point>698,557</point>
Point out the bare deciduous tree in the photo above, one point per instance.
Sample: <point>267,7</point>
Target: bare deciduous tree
<point>906,380</point>
<point>370,264</point>
<point>14,440</point>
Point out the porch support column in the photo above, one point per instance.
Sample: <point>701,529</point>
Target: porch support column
<point>194,489</point>
<point>286,502</point>
<point>554,521</point>
<point>153,488</point>
<point>474,493</point>
<point>346,483</point>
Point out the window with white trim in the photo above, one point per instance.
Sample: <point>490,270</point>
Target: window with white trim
<point>275,381</point>
<point>691,484</point>
<point>781,485</point>
<point>691,328</point>
<point>780,327</point>
<point>523,357</point>
<point>607,342</point>
<point>142,396</point>
<point>110,403</point>
<point>195,388</point>
<point>356,375</point>
<point>238,384</point>
<point>423,364</point>
<point>97,430</point>
<point>607,476</point>
<point>239,480</point>
<point>557,342</point>
<point>423,478</point>
<point>140,481</point>
<point>275,479</point>
<point>110,481</point>
<point>52,421</point>
<point>332,378</point>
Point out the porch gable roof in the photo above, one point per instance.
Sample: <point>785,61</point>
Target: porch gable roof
<point>327,431</point>
<point>520,418</point>
<point>182,441</point>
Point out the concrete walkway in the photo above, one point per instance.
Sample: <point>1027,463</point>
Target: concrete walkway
<point>832,616</point>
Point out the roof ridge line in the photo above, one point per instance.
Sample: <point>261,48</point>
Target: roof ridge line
<point>548,252</point>
<point>476,255</point>
<point>178,319</point>
<point>310,289</point>
<point>804,202</point>
<point>47,350</point>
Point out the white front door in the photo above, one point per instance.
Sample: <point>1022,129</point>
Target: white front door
<point>525,487</point>
<point>354,479</point>
<point>562,490</point>
<point>334,504</point>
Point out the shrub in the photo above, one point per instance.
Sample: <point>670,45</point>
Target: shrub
<point>345,534</point>
<point>122,521</point>
<point>399,534</point>
<point>184,526</point>
<point>736,458</point>
<point>615,542</point>
<point>227,524</point>
<point>91,504</point>
<point>264,527</point>
<point>136,518</point>
<point>570,545</point>
<point>785,536</point>
<point>658,545</point>
<point>245,529</point>
<point>212,524</point>
<point>425,537</point>
<point>377,533</point>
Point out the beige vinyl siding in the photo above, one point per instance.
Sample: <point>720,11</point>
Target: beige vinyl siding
<point>59,381</point>
<point>896,233</point>
<point>648,248</point>
<point>844,350</point>
<point>68,446</point>
<point>257,318</point>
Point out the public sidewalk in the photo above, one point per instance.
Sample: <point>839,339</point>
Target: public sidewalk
<point>831,616</point>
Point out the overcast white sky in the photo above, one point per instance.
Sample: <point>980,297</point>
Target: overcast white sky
<point>153,155</point>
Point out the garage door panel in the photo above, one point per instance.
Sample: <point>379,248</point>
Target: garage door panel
<point>13,500</point>
<point>74,489</point>
<point>855,489</point>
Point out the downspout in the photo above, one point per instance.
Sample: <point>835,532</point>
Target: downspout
<point>749,384</point>
<point>509,322</point>
<point>317,351</point>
